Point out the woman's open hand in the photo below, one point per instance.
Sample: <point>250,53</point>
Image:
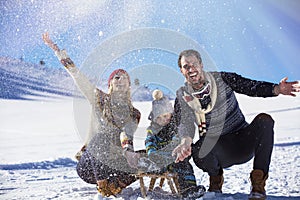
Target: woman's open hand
<point>49,42</point>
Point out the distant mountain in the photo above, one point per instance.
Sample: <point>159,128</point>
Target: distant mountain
<point>21,80</point>
<point>27,81</point>
<point>142,93</point>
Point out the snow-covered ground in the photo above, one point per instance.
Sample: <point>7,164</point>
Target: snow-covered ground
<point>39,139</point>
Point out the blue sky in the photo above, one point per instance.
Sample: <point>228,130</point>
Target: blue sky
<point>258,39</point>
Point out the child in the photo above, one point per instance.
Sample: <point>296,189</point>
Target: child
<point>160,140</point>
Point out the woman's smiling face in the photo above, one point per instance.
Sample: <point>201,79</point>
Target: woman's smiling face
<point>120,82</point>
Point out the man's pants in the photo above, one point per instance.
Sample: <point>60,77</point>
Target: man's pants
<point>256,140</point>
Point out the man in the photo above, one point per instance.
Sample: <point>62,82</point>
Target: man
<point>207,99</point>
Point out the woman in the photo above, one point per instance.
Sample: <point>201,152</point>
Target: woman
<point>107,157</point>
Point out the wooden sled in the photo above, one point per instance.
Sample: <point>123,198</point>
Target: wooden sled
<point>172,179</point>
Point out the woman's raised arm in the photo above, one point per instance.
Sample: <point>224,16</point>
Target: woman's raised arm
<point>82,82</point>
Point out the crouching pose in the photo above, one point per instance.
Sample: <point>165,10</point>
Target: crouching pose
<point>208,100</point>
<point>160,141</point>
<point>107,156</point>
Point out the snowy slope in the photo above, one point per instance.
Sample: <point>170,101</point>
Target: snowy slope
<point>38,141</point>
<point>21,80</point>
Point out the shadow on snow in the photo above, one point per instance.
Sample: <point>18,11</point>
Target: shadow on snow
<point>58,163</point>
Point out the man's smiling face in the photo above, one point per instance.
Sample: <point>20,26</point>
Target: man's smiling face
<point>192,71</point>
